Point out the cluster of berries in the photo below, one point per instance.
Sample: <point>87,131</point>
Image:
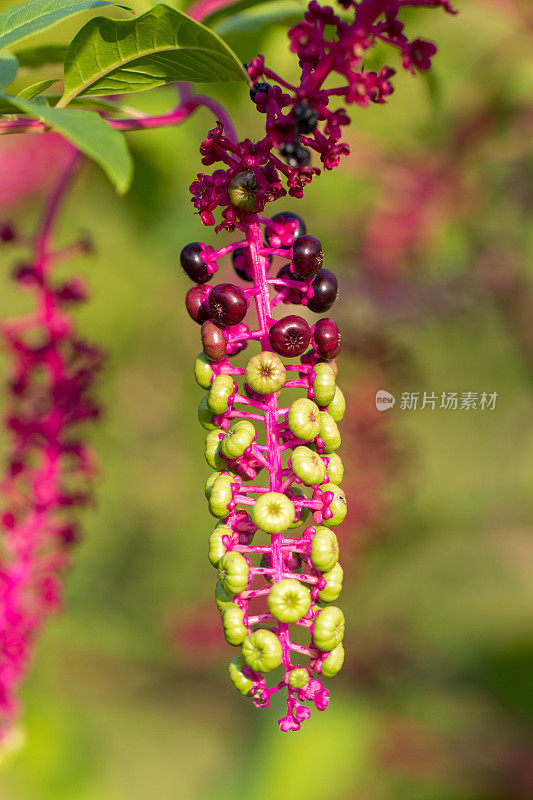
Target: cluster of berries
<point>49,466</point>
<point>251,436</point>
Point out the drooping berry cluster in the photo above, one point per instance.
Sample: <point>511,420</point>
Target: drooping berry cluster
<point>49,465</point>
<point>298,118</point>
<point>274,465</point>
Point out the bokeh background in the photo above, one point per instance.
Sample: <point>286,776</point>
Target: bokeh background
<point>429,227</point>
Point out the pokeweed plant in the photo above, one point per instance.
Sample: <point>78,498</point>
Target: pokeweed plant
<point>250,434</point>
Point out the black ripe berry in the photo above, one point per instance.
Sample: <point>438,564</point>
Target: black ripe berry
<point>305,117</point>
<point>227,304</point>
<point>290,336</point>
<point>327,338</point>
<point>259,88</point>
<point>284,217</point>
<point>192,262</point>
<point>324,291</point>
<point>213,341</point>
<point>295,154</point>
<point>197,305</point>
<point>307,256</point>
<point>242,265</point>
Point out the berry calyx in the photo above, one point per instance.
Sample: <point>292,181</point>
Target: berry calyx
<point>307,256</point>
<point>242,190</point>
<point>325,292</point>
<point>227,304</point>
<point>305,117</point>
<point>290,336</point>
<point>214,341</point>
<point>193,263</point>
<point>282,218</point>
<point>327,338</point>
<point>196,302</point>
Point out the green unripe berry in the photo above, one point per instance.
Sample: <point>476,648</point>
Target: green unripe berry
<point>324,549</point>
<point>205,415</point>
<point>265,373</point>
<point>333,663</point>
<point>337,407</point>
<point>222,597</point>
<point>338,505</point>
<point>212,450</point>
<point>298,678</point>
<point>273,512</point>
<point>221,389</point>
<point>329,432</point>
<point>308,466</point>
<point>239,437</point>
<point>203,371</point>
<point>235,631</point>
<point>289,600</point>
<point>333,589</point>
<point>304,419</point>
<point>243,684</point>
<point>242,190</point>
<point>324,384</point>
<point>216,547</point>
<point>261,651</point>
<point>334,469</point>
<point>329,628</point>
<point>233,572</point>
<point>221,495</point>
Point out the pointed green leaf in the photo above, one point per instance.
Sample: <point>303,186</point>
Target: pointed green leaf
<point>8,68</point>
<point>89,133</point>
<point>29,92</point>
<point>34,16</point>
<point>161,46</point>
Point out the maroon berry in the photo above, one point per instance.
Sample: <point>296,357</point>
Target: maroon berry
<point>192,262</point>
<point>227,304</point>
<point>325,292</point>
<point>213,341</point>
<point>196,301</point>
<point>7,233</point>
<point>327,338</point>
<point>289,336</point>
<point>307,256</point>
<point>242,265</point>
<point>282,218</point>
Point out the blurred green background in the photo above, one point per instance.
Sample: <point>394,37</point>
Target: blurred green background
<point>429,227</point>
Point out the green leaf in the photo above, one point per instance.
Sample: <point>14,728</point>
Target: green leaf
<point>8,68</point>
<point>34,16</point>
<point>29,92</point>
<point>91,134</point>
<point>261,17</point>
<point>235,9</point>
<point>161,46</point>
<point>35,57</point>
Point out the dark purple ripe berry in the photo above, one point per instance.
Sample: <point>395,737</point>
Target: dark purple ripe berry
<point>289,336</point>
<point>295,154</point>
<point>193,263</point>
<point>242,265</point>
<point>305,118</point>
<point>325,291</point>
<point>307,256</point>
<point>196,301</point>
<point>213,341</point>
<point>258,88</point>
<point>281,219</point>
<point>227,304</point>
<point>327,338</point>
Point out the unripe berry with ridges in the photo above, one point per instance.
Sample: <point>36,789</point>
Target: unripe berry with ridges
<point>333,588</point>
<point>333,663</point>
<point>328,629</point>
<point>265,373</point>
<point>338,505</point>
<point>233,572</point>
<point>289,600</point>
<point>273,512</point>
<point>324,549</point>
<point>261,651</point>
<point>304,419</point>
<point>308,466</point>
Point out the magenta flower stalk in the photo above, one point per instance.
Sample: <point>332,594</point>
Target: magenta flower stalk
<point>264,535</point>
<point>49,465</point>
